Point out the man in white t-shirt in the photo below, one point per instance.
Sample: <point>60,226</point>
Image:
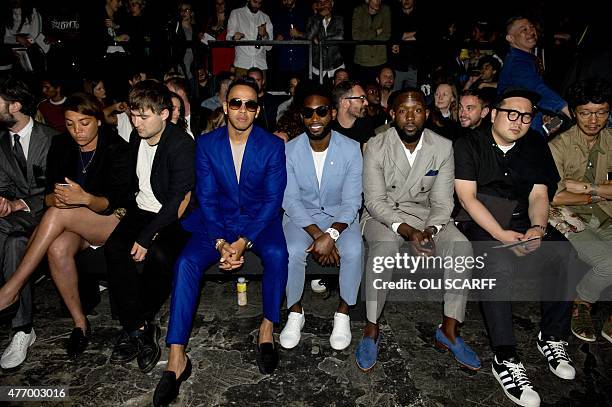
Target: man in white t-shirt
<point>321,204</point>
<point>140,252</point>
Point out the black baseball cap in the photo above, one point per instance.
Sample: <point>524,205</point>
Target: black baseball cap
<point>530,95</point>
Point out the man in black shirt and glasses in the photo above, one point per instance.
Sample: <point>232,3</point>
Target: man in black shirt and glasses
<point>505,177</point>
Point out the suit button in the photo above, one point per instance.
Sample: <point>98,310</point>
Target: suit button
<point>393,186</point>
<point>322,208</point>
<point>397,205</point>
<point>422,188</point>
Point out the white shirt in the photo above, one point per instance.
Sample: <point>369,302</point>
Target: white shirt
<point>24,137</point>
<point>243,21</point>
<point>124,126</point>
<point>319,163</point>
<point>505,149</point>
<point>188,129</point>
<point>146,198</point>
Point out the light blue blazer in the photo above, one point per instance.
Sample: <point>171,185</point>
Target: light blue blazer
<point>338,197</point>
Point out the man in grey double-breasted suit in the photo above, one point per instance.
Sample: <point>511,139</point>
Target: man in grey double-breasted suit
<point>408,176</point>
<point>24,144</point>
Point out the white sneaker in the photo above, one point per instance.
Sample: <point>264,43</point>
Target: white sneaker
<point>512,376</point>
<point>317,287</point>
<point>341,337</point>
<point>558,361</point>
<point>292,332</point>
<point>15,354</point>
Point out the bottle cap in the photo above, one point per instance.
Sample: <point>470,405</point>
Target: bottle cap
<point>241,280</point>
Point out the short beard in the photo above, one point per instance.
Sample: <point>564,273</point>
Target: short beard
<point>8,120</point>
<point>252,11</point>
<point>326,130</point>
<point>408,138</point>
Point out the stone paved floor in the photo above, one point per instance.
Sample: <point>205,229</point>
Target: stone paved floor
<point>410,372</point>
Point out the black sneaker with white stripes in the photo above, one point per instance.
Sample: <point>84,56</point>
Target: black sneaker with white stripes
<point>512,376</point>
<point>558,361</point>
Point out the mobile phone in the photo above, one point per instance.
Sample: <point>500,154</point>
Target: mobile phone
<point>552,125</point>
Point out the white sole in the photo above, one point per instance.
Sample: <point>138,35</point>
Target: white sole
<point>33,339</point>
<point>280,338</point>
<point>550,367</point>
<point>510,396</point>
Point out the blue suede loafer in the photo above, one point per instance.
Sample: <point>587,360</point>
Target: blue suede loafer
<point>460,350</point>
<point>367,352</point>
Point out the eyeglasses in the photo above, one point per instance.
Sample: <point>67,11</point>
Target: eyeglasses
<point>513,115</point>
<point>362,97</point>
<point>235,104</point>
<point>322,111</point>
<point>585,114</point>
<point>185,9</point>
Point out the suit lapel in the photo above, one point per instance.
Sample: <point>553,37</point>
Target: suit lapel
<point>250,152</point>
<point>306,159</point>
<point>37,142</point>
<point>397,153</point>
<point>421,162</point>
<point>225,152</point>
<point>328,166</point>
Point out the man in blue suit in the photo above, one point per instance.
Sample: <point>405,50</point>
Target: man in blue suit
<point>240,180</point>
<point>321,203</point>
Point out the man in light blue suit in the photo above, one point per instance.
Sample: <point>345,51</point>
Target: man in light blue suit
<point>321,204</point>
<point>240,180</point>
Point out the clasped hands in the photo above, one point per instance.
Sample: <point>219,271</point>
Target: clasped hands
<point>421,242</point>
<point>324,250</point>
<point>232,254</point>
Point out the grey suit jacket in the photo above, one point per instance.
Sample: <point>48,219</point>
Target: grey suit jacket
<point>13,185</point>
<point>395,192</point>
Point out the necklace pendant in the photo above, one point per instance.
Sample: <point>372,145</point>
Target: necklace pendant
<point>84,171</point>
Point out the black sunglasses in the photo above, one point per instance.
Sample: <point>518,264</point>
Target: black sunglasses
<point>235,104</point>
<point>321,111</point>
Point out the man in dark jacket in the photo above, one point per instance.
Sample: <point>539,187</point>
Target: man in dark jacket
<point>141,251</point>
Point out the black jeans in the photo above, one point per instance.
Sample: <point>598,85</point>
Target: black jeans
<point>548,266</point>
<point>140,289</point>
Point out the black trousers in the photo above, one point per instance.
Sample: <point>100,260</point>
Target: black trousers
<point>140,289</point>
<point>548,267</point>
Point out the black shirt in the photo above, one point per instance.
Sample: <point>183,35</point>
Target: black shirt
<point>510,175</point>
<point>361,131</point>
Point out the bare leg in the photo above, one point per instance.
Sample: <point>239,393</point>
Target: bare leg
<point>343,307</point>
<point>371,330</point>
<point>265,332</point>
<point>64,273</point>
<point>89,225</point>
<point>177,359</point>
<point>297,307</point>
<point>450,328</point>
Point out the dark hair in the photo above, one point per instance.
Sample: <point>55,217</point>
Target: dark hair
<point>150,94</point>
<point>408,89</point>
<point>340,70</point>
<point>314,89</point>
<point>254,69</point>
<point>593,90</point>
<point>490,59</point>
<point>90,83</point>
<point>84,103</point>
<point>27,12</point>
<point>182,122</point>
<point>510,22</point>
<point>244,82</point>
<point>15,90</point>
<point>342,89</point>
<point>473,92</point>
<point>179,83</point>
<point>385,67</point>
<point>53,81</point>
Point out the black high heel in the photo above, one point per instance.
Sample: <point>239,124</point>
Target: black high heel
<point>78,341</point>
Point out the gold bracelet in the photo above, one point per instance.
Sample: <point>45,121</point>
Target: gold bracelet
<point>218,243</point>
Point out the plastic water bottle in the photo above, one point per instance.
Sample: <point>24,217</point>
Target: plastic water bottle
<point>241,290</point>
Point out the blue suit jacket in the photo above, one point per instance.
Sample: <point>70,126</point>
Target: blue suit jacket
<point>340,193</point>
<point>226,207</point>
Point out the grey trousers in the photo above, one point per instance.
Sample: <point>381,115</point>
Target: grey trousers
<point>15,230</point>
<point>382,241</point>
<point>594,246</point>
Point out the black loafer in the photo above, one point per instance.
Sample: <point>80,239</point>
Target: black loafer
<point>149,351</point>
<point>267,357</point>
<point>78,341</point>
<point>125,349</point>
<point>168,387</point>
